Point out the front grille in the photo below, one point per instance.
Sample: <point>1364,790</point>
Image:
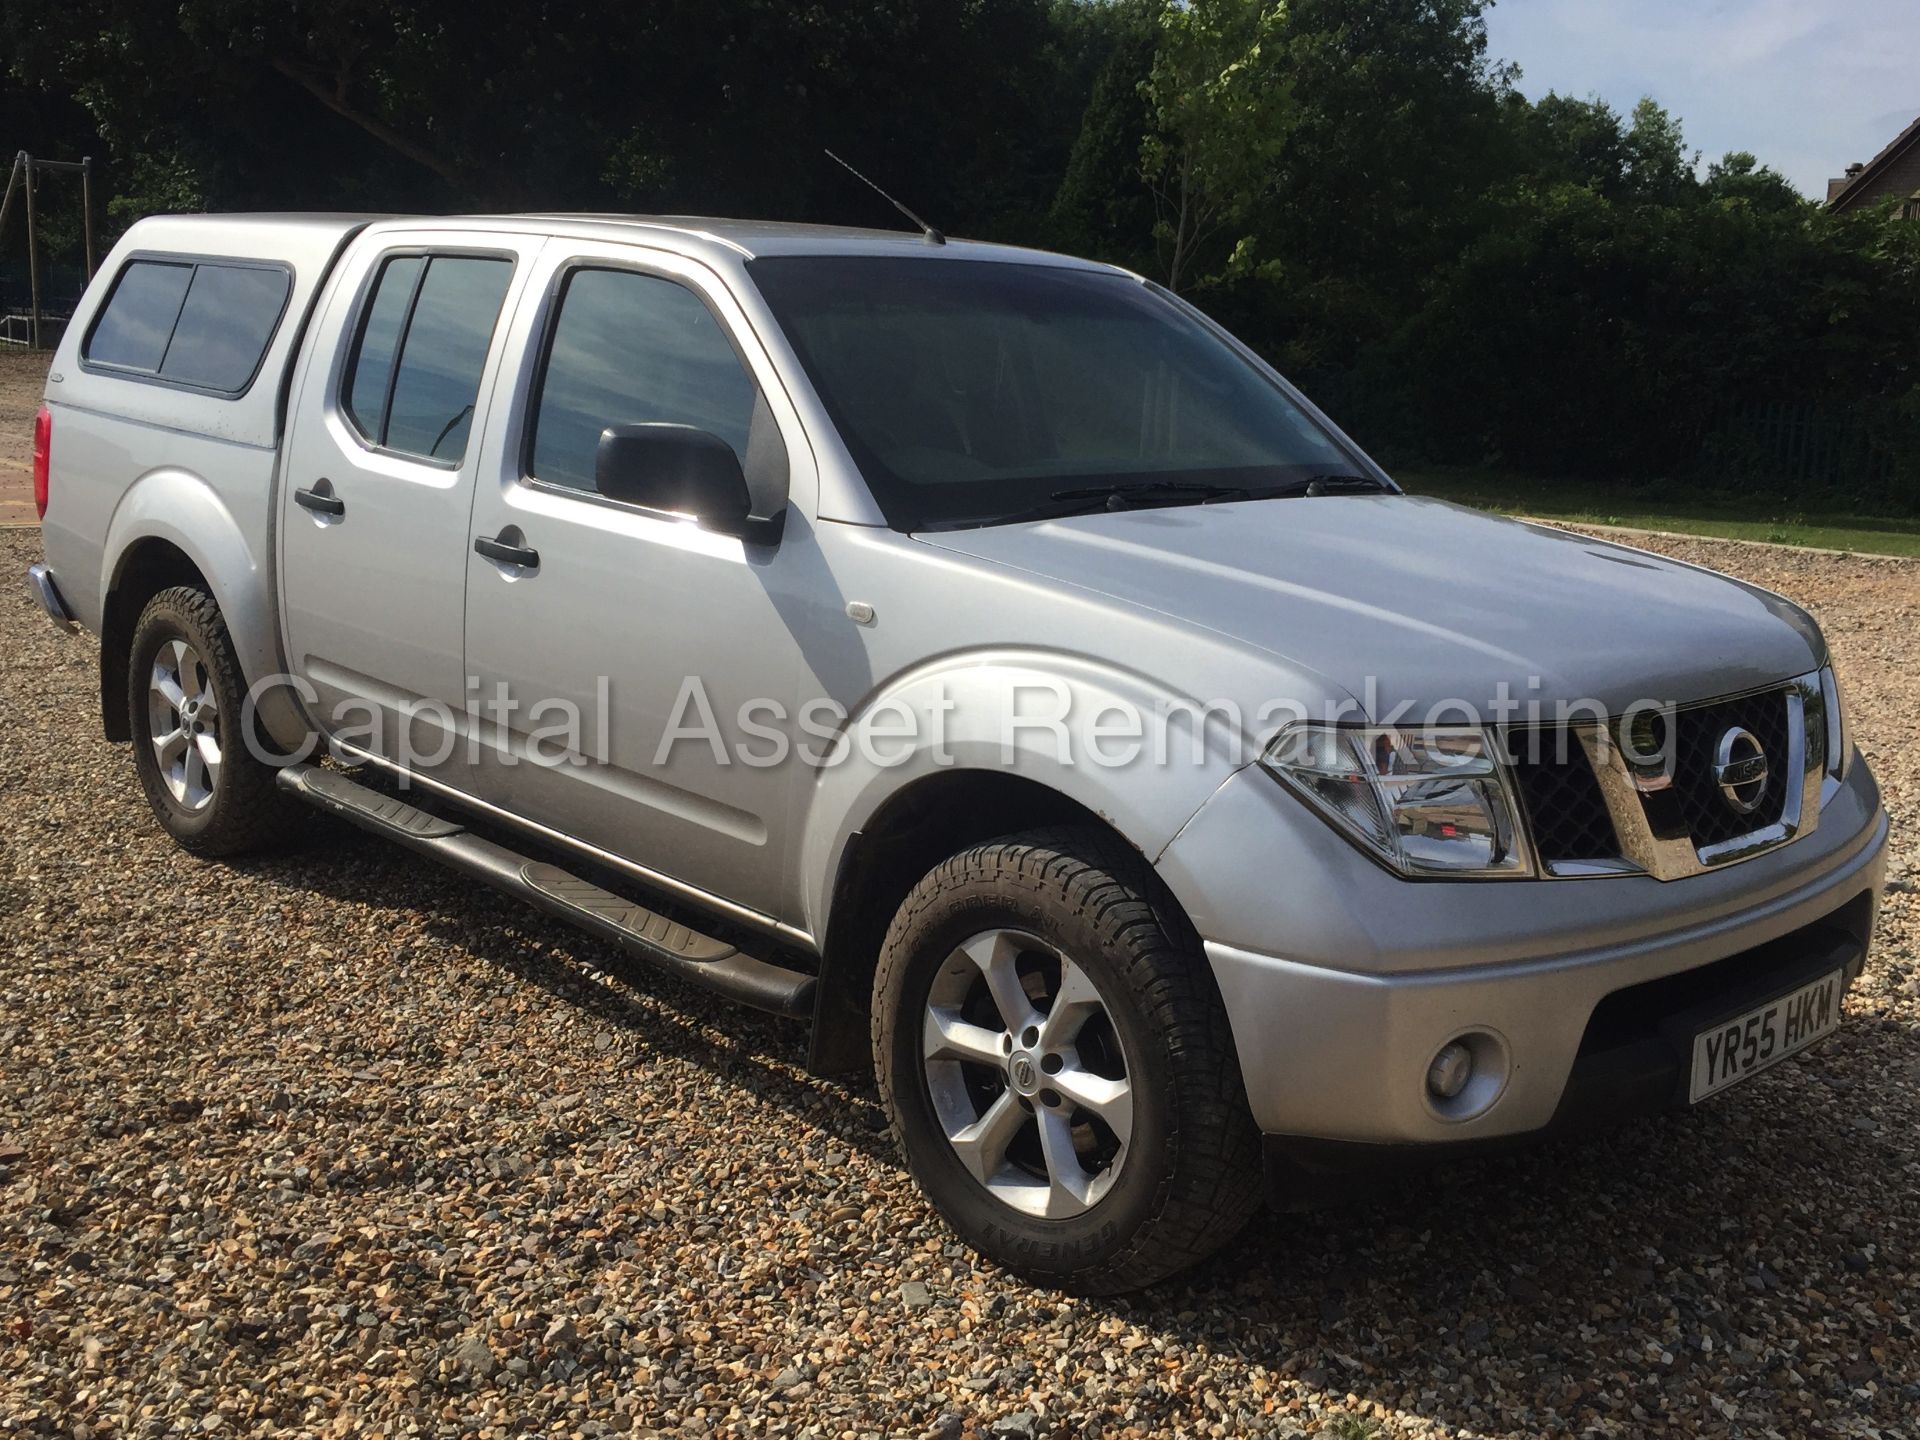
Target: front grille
<point>1693,804</point>
<point>1566,806</point>
<point>1562,798</point>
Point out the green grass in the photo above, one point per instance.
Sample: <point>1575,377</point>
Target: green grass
<point>1666,507</point>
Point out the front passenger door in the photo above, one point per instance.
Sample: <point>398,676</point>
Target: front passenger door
<point>612,608</point>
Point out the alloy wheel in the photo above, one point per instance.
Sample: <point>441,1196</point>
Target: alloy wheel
<point>183,715</point>
<point>1027,1074</point>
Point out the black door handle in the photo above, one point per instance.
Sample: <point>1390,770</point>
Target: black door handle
<point>524,556</point>
<point>320,504</point>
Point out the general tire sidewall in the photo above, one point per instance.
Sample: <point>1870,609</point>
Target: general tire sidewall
<point>1037,1244</point>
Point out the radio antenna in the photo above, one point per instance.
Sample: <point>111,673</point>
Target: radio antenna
<point>934,237</point>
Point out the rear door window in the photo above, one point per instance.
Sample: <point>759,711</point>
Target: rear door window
<point>202,324</point>
<point>366,397</point>
<point>415,376</point>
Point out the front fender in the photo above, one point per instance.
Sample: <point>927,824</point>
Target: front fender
<point>1051,718</point>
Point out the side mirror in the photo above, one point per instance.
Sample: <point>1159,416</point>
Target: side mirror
<point>674,467</point>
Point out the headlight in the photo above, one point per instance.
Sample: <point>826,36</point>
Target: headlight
<point>1427,802</point>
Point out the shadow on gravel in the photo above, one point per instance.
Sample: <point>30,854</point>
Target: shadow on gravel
<point>1657,1270</point>
<point>729,1041</point>
<point>1642,1274</point>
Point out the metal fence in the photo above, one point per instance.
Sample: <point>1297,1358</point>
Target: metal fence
<point>47,307</point>
<point>60,289</point>
<point>1814,450</point>
<point>1864,458</point>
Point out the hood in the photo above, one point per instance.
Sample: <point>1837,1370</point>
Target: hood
<point>1410,602</point>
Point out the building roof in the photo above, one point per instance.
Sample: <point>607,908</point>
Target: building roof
<point>1858,184</point>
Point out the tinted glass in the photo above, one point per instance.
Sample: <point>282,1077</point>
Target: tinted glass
<point>134,328</point>
<point>629,349</point>
<point>442,355</point>
<point>969,391</point>
<point>379,342</point>
<point>230,314</point>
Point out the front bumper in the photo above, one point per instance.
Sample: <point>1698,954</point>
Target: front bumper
<point>1634,1058</point>
<point>1336,1032</point>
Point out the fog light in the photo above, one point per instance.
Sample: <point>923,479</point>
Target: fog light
<point>1450,1071</point>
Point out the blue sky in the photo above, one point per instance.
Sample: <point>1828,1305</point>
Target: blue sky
<point>1807,85</point>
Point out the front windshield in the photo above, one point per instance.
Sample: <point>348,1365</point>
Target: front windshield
<point>971,392</point>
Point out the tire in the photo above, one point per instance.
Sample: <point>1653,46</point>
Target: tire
<point>210,792</point>
<point>1070,914</point>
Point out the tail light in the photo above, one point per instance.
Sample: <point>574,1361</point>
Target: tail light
<point>42,448</point>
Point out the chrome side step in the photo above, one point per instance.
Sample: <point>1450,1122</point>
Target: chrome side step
<point>699,959</point>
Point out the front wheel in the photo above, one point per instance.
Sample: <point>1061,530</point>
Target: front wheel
<point>1058,1066</point>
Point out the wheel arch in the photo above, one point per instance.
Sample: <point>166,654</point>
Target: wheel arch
<point>1002,740</point>
<point>917,827</point>
<point>146,567</point>
<point>173,528</point>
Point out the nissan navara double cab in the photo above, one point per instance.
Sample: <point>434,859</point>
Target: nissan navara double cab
<point>975,654</point>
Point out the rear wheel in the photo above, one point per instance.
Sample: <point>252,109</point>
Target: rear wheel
<point>1058,1067</point>
<point>208,787</point>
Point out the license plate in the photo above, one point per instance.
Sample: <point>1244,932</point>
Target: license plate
<point>1732,1050</point>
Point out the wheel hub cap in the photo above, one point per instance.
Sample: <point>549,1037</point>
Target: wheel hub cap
<point>1024,1072</point>
<point>1027,1074</point>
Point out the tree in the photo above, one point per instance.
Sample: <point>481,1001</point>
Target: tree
<point>1738,178</point>
<point>430,104</point>
<point>1659,169</point>
<point>1103,206</point>
<point>1219,119</point>
<point>1395,134</point>
<point>1575,142</point>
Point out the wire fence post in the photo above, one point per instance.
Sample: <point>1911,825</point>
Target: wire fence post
<point>86,208</point>
<point>33,256</point>
<point>13,179</point>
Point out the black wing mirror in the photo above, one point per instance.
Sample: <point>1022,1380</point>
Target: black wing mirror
<point>674,467</point>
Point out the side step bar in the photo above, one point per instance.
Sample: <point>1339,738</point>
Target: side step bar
<point>699,959</point>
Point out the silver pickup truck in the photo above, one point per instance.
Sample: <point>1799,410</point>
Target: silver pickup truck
<point>974,653</point>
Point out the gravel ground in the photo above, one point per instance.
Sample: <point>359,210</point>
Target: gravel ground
<point>23,376</point>
<point>339,1142</point>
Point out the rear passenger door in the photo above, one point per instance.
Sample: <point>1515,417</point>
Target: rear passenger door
<point>377,485</point>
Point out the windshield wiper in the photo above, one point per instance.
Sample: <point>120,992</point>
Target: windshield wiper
<point>1151,492</point>
<point>1084,498</point>
<point>1334,484</point>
